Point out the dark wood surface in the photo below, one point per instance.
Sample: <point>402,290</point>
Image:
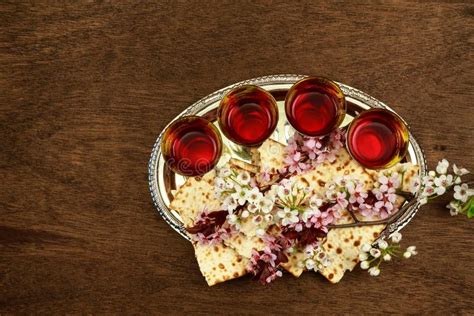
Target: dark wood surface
<point>85,89</point>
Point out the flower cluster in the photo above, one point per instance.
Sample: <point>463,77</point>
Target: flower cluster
<point>350,194</point>
<point>385,196</point>
<point>265,264</point>
<point>439,181</point>
<point>372,256</point>
<point>290,198</point>
<point>315,258</point>
<point>304,152</point>
<point>210,228</point>
<point>303,218</point>
<point>242,197</point>
<point>463,201</point>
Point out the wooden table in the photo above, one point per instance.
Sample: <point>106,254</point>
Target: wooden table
<point>86,89</point>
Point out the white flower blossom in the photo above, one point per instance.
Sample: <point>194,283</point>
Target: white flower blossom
<point>229,203</point>
<point>454,208</point>
<point>364,265</point>
<point>387,257</point>
<point>374,252</point>
<point>374,271</point>
<point>459,171</point>
<point>315,202</point>
<point>342,181</point>
<point>243,177</point>
<point>252,208</point>
<point>363,256</point>
<point>428,190</point>
<point>310,264</point>
<point>229,185</point>
<point>382,244</point>
<point>440,190</point>
<point>284,189</point>
<point>412,250</point>
<point>428,180</point>
<point>442,167</point>
<point>324,259</point>
<point>414,185</point>
<point>462,192</point>
<point>268,217</point>
<point>288,216</point>
<point>219,184</point>
<point>308,213</point>
<point>240,195</point>
<point>233,219</point>
<point>442,182</point>
<point>396,237</point>
<point>309,251</point>
<point>254,195</point>
<point>331,194</point>
<point>265,205</point>
<point>224,172</point>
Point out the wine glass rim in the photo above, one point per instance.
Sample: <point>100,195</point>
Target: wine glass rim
<point>246,86</point>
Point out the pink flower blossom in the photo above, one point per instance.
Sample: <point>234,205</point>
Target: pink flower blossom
<point>299,227</point>
<point>379,203</point>
<point>264,176</point>
<point>211,228</point>
<point>304,152</point>
<point>389,184</point>
<point>342,200</point>
<point>312,147</point>
<point>357,194</point>
<point>367,210</point>
<point>265,264</point>
<point>294,164</point>
<point>321,219</point>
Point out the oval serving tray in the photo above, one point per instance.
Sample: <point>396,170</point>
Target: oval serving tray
<point>162,181</point>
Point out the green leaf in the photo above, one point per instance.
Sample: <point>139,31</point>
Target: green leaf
<point>470,208</point>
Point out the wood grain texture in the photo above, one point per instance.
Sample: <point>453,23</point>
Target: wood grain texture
<point>86,89</point>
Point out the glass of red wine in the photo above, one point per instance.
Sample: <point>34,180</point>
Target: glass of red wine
<point>248,115</point>
<point>377,139</point>
<point>315,106</point>
<point>191,146</point>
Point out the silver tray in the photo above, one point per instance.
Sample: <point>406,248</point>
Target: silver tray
<point>162,181</point>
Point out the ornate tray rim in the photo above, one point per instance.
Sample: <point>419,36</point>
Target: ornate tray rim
<point>196,107</point>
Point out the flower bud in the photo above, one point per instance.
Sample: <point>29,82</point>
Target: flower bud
<point>364,265</point>
<point>387,257</point>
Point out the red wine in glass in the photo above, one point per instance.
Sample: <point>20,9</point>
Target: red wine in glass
<point>248,115</point>
<point>315,106</point>
<point>377,139</point>
<point>191,146</point>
